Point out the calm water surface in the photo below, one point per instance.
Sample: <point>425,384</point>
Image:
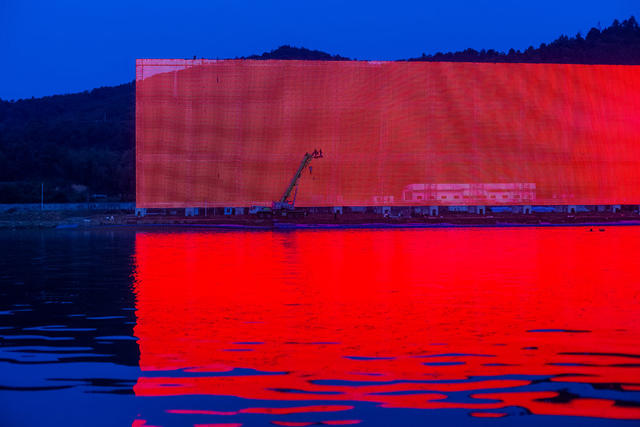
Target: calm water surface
<point>479,326</point>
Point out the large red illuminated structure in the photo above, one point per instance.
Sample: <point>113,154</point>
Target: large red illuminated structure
<point>232,132</point>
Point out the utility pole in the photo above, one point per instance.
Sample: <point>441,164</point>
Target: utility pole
<point>42,196</point>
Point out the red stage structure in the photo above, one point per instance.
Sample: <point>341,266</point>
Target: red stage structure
<point>232,133</point>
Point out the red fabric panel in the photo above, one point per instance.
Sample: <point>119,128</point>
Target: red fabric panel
<point>233,132</point>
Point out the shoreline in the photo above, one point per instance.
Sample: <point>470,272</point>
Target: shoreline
<point>369,226</point>
<point>76,220</point>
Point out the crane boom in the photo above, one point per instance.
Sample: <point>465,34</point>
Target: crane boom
<point>306,160</point>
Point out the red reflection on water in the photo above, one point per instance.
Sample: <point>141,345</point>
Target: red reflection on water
<point>218,425</point>
<point>435,311</point>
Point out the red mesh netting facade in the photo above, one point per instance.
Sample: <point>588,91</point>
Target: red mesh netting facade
<point>233,132</point>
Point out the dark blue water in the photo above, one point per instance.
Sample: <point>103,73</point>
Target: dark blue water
<point>115,327</point>
<point>67,310</point>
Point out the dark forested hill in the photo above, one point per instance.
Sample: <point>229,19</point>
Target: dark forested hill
<point>78,145</point>
<point>617,44</point>
<point>289,52</point>
<point>82,144</point>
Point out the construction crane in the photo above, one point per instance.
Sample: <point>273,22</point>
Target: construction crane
<point>284,205</point>
<point>284,202</point>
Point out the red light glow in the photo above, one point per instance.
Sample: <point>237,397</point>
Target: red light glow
<point>232,133</point>
<point>403,319</point>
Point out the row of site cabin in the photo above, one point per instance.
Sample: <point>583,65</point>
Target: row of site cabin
<point>403,211</point>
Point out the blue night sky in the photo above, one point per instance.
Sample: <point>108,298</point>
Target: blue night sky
<point>62,46</point>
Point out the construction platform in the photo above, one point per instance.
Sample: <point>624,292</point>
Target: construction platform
<point>396,217</point>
